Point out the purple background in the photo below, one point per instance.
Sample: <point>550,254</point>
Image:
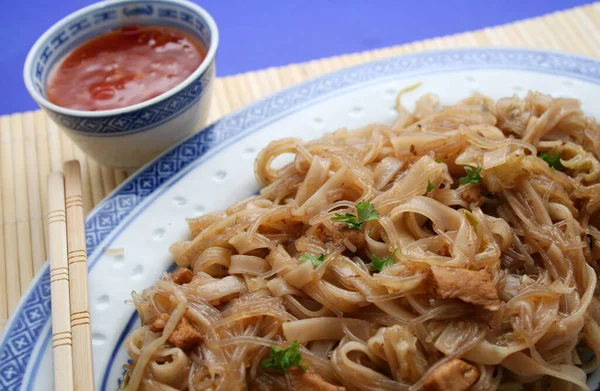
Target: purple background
<point>257,34</point>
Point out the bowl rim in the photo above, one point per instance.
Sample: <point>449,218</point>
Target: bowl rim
<point>46,104</point>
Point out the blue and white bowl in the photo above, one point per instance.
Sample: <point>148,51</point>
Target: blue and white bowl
<point>131,136</point>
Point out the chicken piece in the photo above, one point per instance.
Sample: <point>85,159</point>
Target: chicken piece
<point>340,234</point>
<point>308,381</point>
<point>475,287</point>
<point>185,336</point>
<point>182,276</point>
<point>159,323</point>
<point>455,375</point>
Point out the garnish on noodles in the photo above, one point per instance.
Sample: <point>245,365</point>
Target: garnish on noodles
<point>448,251</point>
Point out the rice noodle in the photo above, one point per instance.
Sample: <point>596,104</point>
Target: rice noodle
<point>275,268</point>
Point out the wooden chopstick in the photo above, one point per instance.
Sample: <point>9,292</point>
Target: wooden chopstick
<point>59,284</point>
<point>83,371</point>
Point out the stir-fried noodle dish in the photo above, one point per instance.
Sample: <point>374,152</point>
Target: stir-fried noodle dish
<point>454,250</point>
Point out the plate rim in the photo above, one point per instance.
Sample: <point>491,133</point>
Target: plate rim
<point>245,131</point>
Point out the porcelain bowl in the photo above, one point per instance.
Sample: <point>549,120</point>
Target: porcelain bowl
<point>131,136</point>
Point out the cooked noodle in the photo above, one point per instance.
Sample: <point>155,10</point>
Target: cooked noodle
<point>476,269</point>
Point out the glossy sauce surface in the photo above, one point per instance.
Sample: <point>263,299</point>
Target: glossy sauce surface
<point>124,67</point>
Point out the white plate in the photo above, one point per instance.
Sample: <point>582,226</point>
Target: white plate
<point>214,168</point>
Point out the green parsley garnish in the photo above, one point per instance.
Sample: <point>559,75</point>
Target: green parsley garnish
<point>430,186</point>
<point>316,261</point>
<point>380,263</point>
<point>283,359</point>
<point>440,161</point>
<point>366,212</point>
<point>552,160</point>
<point>472,175</point>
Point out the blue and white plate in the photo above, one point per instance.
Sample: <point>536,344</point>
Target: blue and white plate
<point>214,168</point>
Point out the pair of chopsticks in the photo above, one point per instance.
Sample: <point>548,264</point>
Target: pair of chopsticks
<point>71,327</point>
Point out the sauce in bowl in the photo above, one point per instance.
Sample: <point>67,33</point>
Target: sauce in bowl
<point>123,67</point>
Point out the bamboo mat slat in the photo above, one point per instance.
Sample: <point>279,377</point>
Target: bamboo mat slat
<point>31,146</point>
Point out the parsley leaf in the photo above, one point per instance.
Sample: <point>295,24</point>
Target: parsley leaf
<point>380,263</point>
<point>472,175</point>
<point>366,212</point>
<point>283,359</point>
<point>552,160</point>
<point>430,186</point>
<point>316,261</point>
<point>440,161</point>
<point>349,219</point>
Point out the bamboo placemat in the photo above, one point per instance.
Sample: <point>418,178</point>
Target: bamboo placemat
<point>31,146</point>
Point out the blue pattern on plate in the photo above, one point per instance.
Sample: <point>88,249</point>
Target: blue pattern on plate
<point>24,329</point>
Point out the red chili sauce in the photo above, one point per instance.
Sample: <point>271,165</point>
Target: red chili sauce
<point>124,67</point>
